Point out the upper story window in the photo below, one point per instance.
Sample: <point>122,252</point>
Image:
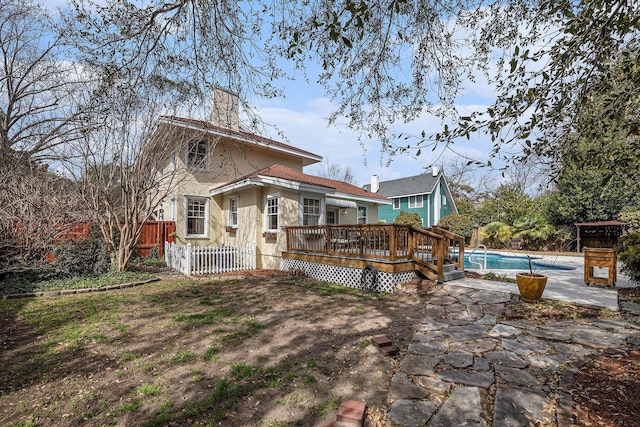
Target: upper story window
<point>310,211</point>
<point>196,218</point>
<point>197,155</point>
<point>362,214</point>
<point>415,201</point>
<point>396,203</point>
<point>233,212</point>
<point>272,211</point>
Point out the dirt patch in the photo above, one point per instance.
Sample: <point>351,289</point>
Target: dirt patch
<point>266,350</point>
<point>606,392</point>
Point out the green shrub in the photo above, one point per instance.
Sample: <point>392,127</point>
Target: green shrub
<point>632,218</point>
<point>629,253</point>
<point>497,234</point>
<point>534,230</point>
<point>457,223</point>
<point>86,257</point>
<point>406,218</point>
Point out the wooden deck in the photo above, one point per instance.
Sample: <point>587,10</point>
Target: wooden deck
<point>397,246</point>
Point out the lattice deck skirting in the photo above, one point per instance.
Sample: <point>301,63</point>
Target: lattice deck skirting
<point>352,277</point>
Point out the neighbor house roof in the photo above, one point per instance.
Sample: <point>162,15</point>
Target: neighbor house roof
<point>287,177</point>
<point>410,186</point>
<point>202,126</point>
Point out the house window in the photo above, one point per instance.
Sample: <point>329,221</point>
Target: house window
<point>196,216</point>
<point>310,211</point>
<point>332,217</point>
<point>444,200</point>
<point>197,158</point>
<point>415,201</point>
<point>396,203</point>
<point>362,214</point>
<point>233,212</point>
<point>271,211</point>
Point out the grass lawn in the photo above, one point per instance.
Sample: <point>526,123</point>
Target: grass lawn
<point>273,351</point>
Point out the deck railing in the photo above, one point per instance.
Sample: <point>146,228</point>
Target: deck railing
<point>391,242</point>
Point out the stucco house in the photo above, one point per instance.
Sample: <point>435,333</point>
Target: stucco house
<point>238,188</point>
<point>426,194</point>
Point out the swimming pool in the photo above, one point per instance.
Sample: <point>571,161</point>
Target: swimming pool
<point>508,262</point>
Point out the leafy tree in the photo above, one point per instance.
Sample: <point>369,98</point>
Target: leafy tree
<point>629,248</point>
<point>507,204</point>
<point>585,191</point>
<point>629,254</point>
<point>406,218</point>
<point>599,161</point>
<point>497,233</point>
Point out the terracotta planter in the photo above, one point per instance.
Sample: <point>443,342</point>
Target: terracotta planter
<point>531,287</point>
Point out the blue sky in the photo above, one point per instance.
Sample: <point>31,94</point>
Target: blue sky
<point>302,113</point>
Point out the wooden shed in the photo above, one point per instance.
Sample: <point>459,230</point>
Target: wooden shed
<point>599,234</point>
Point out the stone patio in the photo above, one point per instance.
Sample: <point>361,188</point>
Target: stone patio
<point>466,367</point>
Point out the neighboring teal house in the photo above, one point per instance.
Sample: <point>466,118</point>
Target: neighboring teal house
<point>427,194</point>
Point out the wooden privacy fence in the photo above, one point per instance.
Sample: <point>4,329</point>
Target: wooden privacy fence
<point>209,260</point>
<point>154,234</point>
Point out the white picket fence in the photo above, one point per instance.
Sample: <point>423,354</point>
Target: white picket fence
<point>209,260</point>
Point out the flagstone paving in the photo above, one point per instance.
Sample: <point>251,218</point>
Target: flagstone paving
<point>468,367</point>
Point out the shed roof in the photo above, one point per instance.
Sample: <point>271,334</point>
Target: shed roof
<point>600,223</point>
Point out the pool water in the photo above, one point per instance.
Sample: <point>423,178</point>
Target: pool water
<point>508,262</point>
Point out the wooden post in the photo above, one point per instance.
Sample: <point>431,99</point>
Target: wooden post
<point>441,244</point>
<point>392,243</point>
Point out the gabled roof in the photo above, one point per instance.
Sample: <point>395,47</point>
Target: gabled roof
<point>284,176</point>
<point>420,184</point>
<point>202,126</point>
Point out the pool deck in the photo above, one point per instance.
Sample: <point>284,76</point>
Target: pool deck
<point>562,285</point>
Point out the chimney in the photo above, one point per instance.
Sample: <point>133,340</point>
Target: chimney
<point>375,183</point>
<point>435,170</point>
<point>224,109</point>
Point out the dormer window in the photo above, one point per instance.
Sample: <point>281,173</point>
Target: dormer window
<point>197,155</point>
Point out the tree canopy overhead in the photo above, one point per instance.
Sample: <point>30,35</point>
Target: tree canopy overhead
<point>384,61</point>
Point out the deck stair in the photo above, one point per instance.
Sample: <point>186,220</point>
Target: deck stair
<point>451,272</point>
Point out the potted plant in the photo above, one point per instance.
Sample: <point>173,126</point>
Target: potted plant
<point>531,285</point>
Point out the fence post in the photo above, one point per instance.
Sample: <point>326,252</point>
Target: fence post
<point>254,255</point>
<point>188,260</point>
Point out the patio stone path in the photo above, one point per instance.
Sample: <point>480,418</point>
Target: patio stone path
<point>466,367</point>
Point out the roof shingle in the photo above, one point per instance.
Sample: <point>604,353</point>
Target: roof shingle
<point>283,172</point>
